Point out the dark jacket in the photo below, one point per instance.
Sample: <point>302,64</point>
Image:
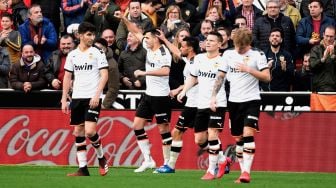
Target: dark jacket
<point>19,12</point>
<point>281,80</point>
<point>304,32</point>
<point>122,32</point>
<point>4,67</point>
<point>102,22</point>
<point>34,74</point>
<point>73,12</point>
<point>324,73</point>
<point>262,29</point>
<point>129,61</point>
<point>189,13</point>
<point>53,66</point>
<point>113,80</point>
<point>48,30</point>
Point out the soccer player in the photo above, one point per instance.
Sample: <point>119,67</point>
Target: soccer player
<point>208,123</point>
<point>244,68</point>
<point>187,52</point>
<point>156,100</point>
<point>89,67</point>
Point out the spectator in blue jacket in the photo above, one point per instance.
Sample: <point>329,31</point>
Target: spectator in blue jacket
<point>39,32</point>
<point>74,11</point>
<point>310,29</point>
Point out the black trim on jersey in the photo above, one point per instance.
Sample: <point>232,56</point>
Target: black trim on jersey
<point>264,68</point>
<point>165,66</point>
<point>163,51</point>
<point>103,68</point>
<point>68,70</point>
<point>193,75</point>
<point>222,71</point>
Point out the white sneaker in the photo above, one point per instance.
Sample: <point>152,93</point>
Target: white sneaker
<point>146,165</point>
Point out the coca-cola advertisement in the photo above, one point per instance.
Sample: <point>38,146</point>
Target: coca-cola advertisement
<point>287,141</point>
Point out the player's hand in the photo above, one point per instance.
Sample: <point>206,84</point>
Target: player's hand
<point>213,104</point>
<point>243,68</point>
<point>65,107</point>
<point>161,35</point>
<point>94,102</point>
<point>180,96</point>
<point>174,92</point>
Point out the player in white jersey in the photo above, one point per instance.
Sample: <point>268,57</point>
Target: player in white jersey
<point>89,68</point>
<point>187,52</point>
<point>156,100</point>
<point>208,123</point>
<point>244,67</point>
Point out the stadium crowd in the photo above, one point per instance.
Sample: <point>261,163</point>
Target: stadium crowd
<point>45,26</point>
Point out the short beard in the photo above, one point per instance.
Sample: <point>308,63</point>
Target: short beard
<point>275,45</point>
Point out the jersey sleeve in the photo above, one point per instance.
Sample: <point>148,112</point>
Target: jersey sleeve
<point>224,64</point>
<point>194,68</point>
<point>68,66</point>
<point>102,61</point>
<point>262,61</point>
<point>166,59</point>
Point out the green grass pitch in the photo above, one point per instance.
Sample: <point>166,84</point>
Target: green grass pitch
<point>12,176</point>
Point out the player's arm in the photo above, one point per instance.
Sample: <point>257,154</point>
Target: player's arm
<point>131,27</point>
<point>172,48</point>
<point>94,102</point>
<point>218,84</point>
<point>66,88</point>
<point>189,83</point>
<point>163,71</point>
<point>262,75</point>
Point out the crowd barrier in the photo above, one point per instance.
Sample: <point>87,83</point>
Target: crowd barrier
<point>292,137</point>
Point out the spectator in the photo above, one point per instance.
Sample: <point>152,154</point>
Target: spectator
<point>273,19</point>
<point>9,38</point>
<point>135,15</point>
<point>72,30</point>
<point>239,22</point>
<point>109,36</point>
<point>74,11</point>
<point>173,22</point>
<point>102,15</point>
<point>310,28</point>
<point>150,7</point>
<point>206,28</point>
<point>54,72</point>
<point>322,63</point>
<point>51,10</point>
<point>189,12</point>
<point>226,44</point>
<point>290,11</point>
<point>303,77</point>
<point>280,63</point>
<point>39,32</point>
<point>227,11</point>
<point>28,73</point>
<point>113,74</point>
<point>130,60</point>
<point>328,7</point>
<point>19,12</point>
<point>249,11</point>
<point>4,67</point>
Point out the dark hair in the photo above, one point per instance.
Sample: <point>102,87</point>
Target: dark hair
<point>276,29</point>
<point>7,15</point>
<point>153,31</point>
<point>218,35</point>
<point>192,42</point>
<point>86,27</point>
<point>318,1</point>
<point>102,42</point>
<point>241,17</point>
<point>227,30</point>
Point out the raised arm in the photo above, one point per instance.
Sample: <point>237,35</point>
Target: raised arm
<point>131,27</point>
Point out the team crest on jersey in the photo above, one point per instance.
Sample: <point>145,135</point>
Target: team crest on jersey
<point>216,65</point>
<point>246,59</point>
<point>90,55</point>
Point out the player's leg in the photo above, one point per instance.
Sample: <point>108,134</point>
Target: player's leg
<point>77,120</point>
<point>91,119</point>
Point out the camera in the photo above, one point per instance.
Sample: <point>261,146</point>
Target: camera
<point>235,26</point>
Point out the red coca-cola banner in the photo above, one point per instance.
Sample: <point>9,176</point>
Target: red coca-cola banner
<point>287,142</point>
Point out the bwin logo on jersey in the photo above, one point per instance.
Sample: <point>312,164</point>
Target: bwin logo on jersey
<point>83,67</point>
<point>206,74</point>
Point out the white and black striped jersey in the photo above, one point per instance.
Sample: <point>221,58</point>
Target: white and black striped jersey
<point>192,92</point>
<point>205,70</point>
<point>85,66</point>
<point>157,85</point>
<point>243,86</point>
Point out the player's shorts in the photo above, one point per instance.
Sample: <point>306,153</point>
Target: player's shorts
<point>159,107</point>
<point>186,119</point>
<point>81,111</point>
<point>206,118</point>
<point>243,114</point>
